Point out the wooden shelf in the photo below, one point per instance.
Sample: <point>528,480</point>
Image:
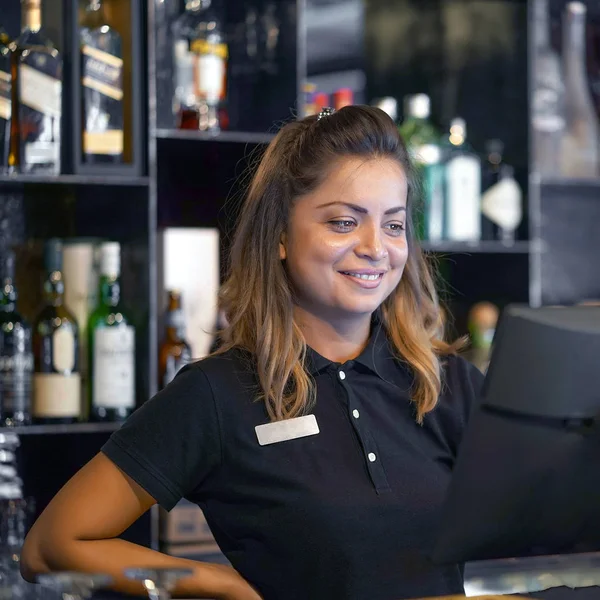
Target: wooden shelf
<point>62,429</point>
<point>236,137</point>
<point>99,180</point>
<point>484,247</point>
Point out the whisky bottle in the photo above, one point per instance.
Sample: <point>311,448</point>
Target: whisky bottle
<point>16,357</point>
<point>200,54</point>
<point>56,380</point>
<point>174,352</point>
<point>5,88</point>
<point>36,101</point>
<point>102,87</point>
<point>111,343</point>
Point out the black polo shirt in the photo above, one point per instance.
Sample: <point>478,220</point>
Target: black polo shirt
<point>347,514</point>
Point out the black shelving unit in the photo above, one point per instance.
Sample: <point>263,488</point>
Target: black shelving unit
<point>181,178</point>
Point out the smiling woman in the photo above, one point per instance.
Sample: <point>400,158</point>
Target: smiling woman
<point>331,484</point>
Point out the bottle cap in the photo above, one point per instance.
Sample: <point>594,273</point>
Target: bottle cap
<point>343,97</point>
<point>388,105</point>
<point>53,255</point>
<point>110,259</point>
<point>417,106</point>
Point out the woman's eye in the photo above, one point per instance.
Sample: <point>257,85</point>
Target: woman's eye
<point>397,228</point>
<point>342,224</point>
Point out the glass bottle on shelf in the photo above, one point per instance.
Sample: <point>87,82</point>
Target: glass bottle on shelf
<point>5,87</point>
<point>174,352</point>
<point>423,143</point>
<point>462,211</point>
<point>200,54</point>
<point>548,94</point>
<point>102,87</point>
<point>36,108</point>
<point>16,357</point>
<point>56,379</point>
<point>111,343</point>
<point>579,151</point>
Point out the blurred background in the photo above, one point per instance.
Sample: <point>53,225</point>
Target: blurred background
<point>128,130</point>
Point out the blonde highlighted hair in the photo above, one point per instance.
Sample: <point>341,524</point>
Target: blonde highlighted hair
<point>257,297</point>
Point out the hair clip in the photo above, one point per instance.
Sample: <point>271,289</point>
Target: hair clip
<point>326,111</point>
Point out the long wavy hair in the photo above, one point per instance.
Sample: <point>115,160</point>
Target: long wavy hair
<point>257,297</point>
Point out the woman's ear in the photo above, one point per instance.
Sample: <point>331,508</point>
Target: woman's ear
<point>282,250</point>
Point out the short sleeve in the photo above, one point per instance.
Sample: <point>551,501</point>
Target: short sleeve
<point>172,442</point>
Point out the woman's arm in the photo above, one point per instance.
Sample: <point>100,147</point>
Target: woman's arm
<point>78,532</point>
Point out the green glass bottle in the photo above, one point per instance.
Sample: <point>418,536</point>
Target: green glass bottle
<point>56,380</point>
<point>16,358</point>
<point>111,343</point>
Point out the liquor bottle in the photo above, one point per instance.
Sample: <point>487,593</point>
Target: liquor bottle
<point>502,198</point>
<point>56,380</point>
<point>462,211</point>
<point>16,357</point>
<point>579,151</point>
<point>482,322</point>
<point>111,344</point>
<point>174,352</point>
<point>102,87</point>
<point>36,107</point>
<point>548,95</point>
<point>423,143</point>
<point>200,56</point>
<point>5,87</point>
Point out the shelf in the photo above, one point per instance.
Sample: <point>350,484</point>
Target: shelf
<point>485,247</point>
<point>62,429</point>
<point>101,180</point>
<point>236,137</point>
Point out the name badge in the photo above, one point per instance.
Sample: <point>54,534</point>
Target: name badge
<point>289,429</point>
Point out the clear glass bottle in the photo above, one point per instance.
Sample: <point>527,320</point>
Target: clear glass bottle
<point>16,357</point>
<point>579,151</point>
<point>462,214</point>
<point>548,92</point>
<point>174,351</point>
<point>56,380</point>
<point>5,93</point>
<point>36,108</point>
<point>111,344</point>
<point>102,87</point>
<point>200,54</point>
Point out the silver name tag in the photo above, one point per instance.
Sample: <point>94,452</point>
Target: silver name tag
<point>289,429</point>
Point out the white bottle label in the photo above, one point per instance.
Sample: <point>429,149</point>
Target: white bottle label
<point>40,91</point>
<point>56,395</point>
<point>502,204</point>
<point>210,77</point>
<point>463,199</point>
<point>114,367</point>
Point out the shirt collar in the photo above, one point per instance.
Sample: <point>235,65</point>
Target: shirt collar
<point>377,356</point>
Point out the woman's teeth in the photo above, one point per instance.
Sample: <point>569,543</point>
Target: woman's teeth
<point>365,277</point>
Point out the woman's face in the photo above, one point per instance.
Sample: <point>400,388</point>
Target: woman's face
<point>345,246</point>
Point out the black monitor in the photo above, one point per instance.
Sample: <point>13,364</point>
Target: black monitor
<point>527,477</point>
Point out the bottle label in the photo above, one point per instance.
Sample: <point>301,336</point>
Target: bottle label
<point>210,62</point>
<point>16,371</point>
<point>176,319</point>
<point>114,367</point>
<point>63,349</point>
<point>56,395</point>
<point>40,92</point>
<point>463,200</point>
<point>5,88</point>
<point>102,72</point>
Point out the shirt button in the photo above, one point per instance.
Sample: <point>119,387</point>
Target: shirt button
<point>355,414</point>
<point>342,375</point>
<point>372,457</point>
